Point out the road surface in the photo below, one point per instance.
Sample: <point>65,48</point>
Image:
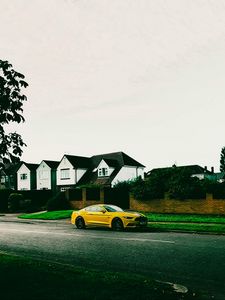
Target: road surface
<point>193,260</point>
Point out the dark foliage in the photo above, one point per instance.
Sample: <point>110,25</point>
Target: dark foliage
<point>4,196</point>
<point>11,109</point>
<point>222,160</point>
<point>58,202</point>
<point>177,183</point>
<point>14,202</point>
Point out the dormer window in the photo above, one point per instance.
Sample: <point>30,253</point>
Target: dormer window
<point>103,172</point>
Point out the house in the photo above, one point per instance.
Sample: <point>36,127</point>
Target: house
<point>212,176</point>
<point>104,169</point>
<point>46,175</point>
<point>111,168</point>
<point>192,170</point>
<point>219,177</point>
<point>8,176</point>
<point>70,170</point>
<point>26,176</point>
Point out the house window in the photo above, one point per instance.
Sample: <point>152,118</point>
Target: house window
<point>23,176</point>
<point>65,173</point>
<point>103,172</point>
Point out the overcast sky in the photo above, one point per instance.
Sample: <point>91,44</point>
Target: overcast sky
<point>146,77</point>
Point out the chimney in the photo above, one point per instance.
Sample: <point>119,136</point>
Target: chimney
<point>212,169</point>
<point>205,169</point>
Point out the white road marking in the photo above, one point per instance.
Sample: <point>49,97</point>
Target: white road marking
<point>89,236</point>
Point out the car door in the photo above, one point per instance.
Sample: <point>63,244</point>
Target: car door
<point>97,216</point>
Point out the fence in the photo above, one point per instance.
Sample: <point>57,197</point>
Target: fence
<point>80,198</point>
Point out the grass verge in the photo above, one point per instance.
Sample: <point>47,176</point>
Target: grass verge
<point>49,215</point>
<point>23,278</point>
<point>154,217</point>
<point>191,227</point>
<point>184,222</point>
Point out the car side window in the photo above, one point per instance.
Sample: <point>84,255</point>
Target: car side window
<point>98,208</point>
<point>92,209</point>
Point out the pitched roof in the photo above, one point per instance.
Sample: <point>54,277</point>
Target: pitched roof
<point>11,169</point>
<point>116,160</point>
<point>192,169</point>
<point>78,161</point>
<point>31,167</point>
<point>111,162</point>
<point>52,164</point>
<point>119,158</point>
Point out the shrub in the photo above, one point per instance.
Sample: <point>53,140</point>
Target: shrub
<point>4,196</point>
<point>14,202</point>
<point>58,202</point>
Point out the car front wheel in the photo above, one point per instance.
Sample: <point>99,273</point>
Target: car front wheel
<point>80,223</point>
<point>117,224</point>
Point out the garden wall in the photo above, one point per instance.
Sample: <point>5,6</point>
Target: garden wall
<point>190,206</point>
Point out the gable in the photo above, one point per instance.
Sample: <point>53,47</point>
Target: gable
<point>43,166</point>
<point>102,164</point>
<point>64,164</point>
<point>23,169</point>
<point>104,170</point>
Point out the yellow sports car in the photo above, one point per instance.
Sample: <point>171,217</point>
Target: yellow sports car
<point>108,216</point>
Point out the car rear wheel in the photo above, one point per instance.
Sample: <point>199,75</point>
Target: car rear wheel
<point>80,223</point>
<point>117,224</point>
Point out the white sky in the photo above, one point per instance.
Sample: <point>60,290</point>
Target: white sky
<point>146,77</point>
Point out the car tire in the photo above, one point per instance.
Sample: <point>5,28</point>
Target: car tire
<point>80,224</point>
<point>117,224</point>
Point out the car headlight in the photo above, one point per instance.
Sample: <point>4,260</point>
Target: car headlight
<point>128,218</point>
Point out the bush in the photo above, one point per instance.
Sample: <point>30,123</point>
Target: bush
<point>14,202</point>
<point>148,189</point>
<point>4,196</point>
<point>58,202</point>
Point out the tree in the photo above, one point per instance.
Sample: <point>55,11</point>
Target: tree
<point>222,160</point>
<point>11,109</point>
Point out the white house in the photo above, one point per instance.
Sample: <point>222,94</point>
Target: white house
<point>46,175</point>
<point>111,168</point>
<point>70,170</point>
<point>104,169</point>
<point>26,176</point>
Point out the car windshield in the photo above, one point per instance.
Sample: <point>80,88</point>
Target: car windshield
<point>112,208</point>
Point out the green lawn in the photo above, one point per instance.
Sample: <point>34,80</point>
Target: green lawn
<point>184,222</point>
<point>154,217</point>
<point>49,215</point>
<point>191,227</point>
<point>23,278</point>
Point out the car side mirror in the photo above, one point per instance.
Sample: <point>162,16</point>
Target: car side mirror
<point>103,211</point>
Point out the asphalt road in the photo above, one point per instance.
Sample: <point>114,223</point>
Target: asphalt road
<point>193,260</point>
